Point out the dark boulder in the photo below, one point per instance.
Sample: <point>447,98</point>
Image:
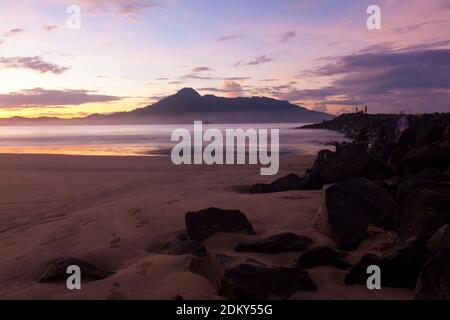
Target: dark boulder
<point>434,279</point>
<point>290,182</point>
<point>446,134</point>
<point>323,256</point>
<point>440,239</point>
<point>429,156</point>
<point>179,246</point>
<point>432,174</point>
<point>245,279</point>
<point>57,271</point>
<point>350,160</point>
<point>429,134</point>
<point>349,207</point>
<point>404,142</point>
<point>204,223</point>
<point>400,267</point>
<point>284,242</point>
<point>425,208</point>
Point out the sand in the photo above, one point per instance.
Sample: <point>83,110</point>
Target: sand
<point>109,210</point>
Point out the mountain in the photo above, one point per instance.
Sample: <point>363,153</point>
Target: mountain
<point>187,106</point>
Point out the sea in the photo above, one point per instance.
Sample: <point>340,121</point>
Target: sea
<point>143,140</point>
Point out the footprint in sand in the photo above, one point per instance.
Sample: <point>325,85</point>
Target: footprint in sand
<point>115,294</point>
<point>115,243</point>
<point>144,268</point>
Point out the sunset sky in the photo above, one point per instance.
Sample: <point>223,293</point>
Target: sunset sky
<point>315,53</point>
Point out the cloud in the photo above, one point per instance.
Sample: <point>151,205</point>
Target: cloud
<point>257,61</point>
<point>194,76</point>
<point>33,63</point>
<point>230,88</point>
<point>50,28</point>
<point>128,8</point>
<point>418,26</point>
<point>230,37</point>
<point>237,78</point>
<point>270,80</point>
<point>320,107</point>
<point>396,79</point>
<point>13,32</point>
<point>285,37</point>
<point>38,97</point>
<point>162,79</point>
<point>201,69</point>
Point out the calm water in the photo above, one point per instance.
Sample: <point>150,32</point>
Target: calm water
<point>132,140</point>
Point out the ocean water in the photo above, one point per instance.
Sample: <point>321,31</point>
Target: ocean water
<point>141,140</point>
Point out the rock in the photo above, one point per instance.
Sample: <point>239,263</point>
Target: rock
<point>440,239</point>
<point>202,224</point>
<point>429,156</point>
<point>400,267</point>
<point>290,182</point>
<point>425,208</point>
<point>349,207</point>
<point>57,271</point>
<point>432,174</point>
<point>405,141</point>
<point>323,256</point>
<point>245,279</point>
<point>284,242</point>
<point>446,134</point>
<point>434,279</point>
<point>390,184</point>
<point>179,246</point>
<point>429,134</point>
<point>349,160</point>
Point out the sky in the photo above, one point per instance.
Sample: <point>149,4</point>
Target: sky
<point>319,54</point>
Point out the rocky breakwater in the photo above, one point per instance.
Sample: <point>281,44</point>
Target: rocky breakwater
<point>393,179</point>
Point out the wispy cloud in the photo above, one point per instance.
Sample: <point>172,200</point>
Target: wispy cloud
<point>33,63</point>
<point>50,28</point>
<point>418,26</point>
<point>195,76</point>
<point>288,36</point>
<point>128,8</point>
<point>257,61</point>
<point>38,97</point>
<point>230,37</point>
<point>13,32</point>
<point>201,69</point>
<point>237,78</point>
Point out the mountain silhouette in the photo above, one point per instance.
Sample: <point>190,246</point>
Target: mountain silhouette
<point>187,106</point>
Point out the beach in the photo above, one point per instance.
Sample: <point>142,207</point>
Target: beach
<point>111,210</point>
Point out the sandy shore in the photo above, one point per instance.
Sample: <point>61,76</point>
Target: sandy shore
<point>109,210</point>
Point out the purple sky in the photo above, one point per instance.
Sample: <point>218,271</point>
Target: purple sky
<point>315,53</point>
